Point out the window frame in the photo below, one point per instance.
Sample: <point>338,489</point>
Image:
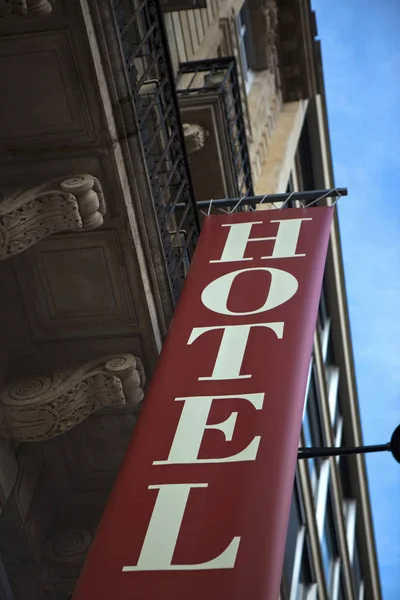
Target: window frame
<point>242,30</point>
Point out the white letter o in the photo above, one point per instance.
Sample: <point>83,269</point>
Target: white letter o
<point>283,287</point>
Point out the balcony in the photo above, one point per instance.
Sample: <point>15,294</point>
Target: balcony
<point>145,49</point>
<point>209,98</point>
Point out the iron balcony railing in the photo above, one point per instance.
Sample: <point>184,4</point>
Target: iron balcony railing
<point>220,75</point>
<point>148,66</point>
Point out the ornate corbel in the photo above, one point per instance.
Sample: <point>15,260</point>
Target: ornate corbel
<point>25,8</point>
<point>195,137</point>
<point>29,215</point>
<point>41,407</point>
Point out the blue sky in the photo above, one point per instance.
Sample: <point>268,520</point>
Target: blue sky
<point>361,54</point>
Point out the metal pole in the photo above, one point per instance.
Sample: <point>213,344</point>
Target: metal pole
<point>393,446</point>
<point>333,451</point>
<point>271,198</point>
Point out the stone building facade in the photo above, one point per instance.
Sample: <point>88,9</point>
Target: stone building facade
<point>111,112</point>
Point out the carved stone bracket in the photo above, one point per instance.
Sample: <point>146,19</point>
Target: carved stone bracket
<point>195,137</point>
<point>23,8</point>
<point>44,406</point>
<point>29,215</point>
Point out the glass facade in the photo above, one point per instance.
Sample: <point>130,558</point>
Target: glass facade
<point>312,431</point>
<point>329,546</point>
<point>316,556</point>
<point>322,422</point>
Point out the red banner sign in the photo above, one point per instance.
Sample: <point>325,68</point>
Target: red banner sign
<point>201,505</point>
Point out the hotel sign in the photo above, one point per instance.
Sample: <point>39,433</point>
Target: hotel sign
<point>200,507</point>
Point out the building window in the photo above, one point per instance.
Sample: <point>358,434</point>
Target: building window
<point>345,477</point>
<point>304,589</point>
<point>311,462</point>
<point>245,44</point>
<point>358,579</point>
<point>298,577</point>
<point>311,592</point>
<point>341,594</point>
<point>332,380</point>
<point>329,548</point>
<point>327,552</point>
<point>294,536</point>
<point>324,328</point>
<point>336,581</point>
<point>322,494</point>
<point>323,314</point>
<point>338,433</point>
<point>304,153</point>
<point>350,514</point>
<point>312,430</point>
<point>361,592</point>
<point>330,356</point>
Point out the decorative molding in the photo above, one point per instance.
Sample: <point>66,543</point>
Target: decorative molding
<point>271,15</point>
<point>42,407</point>
<point>25,8</point>
<point>195,137</point>
<point>299,52</point>
<point>264,36</point>
<point>79,286</point>
<point>60,115</point>
<point>30,215</point>
<point>228,44</point>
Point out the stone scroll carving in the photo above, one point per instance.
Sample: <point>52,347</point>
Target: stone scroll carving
<point>42,407</point>
<point>195,137</point>
<point>65,556</point>
<point>69,547</point>
<point>24,8</point>
<point>29,215</point>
